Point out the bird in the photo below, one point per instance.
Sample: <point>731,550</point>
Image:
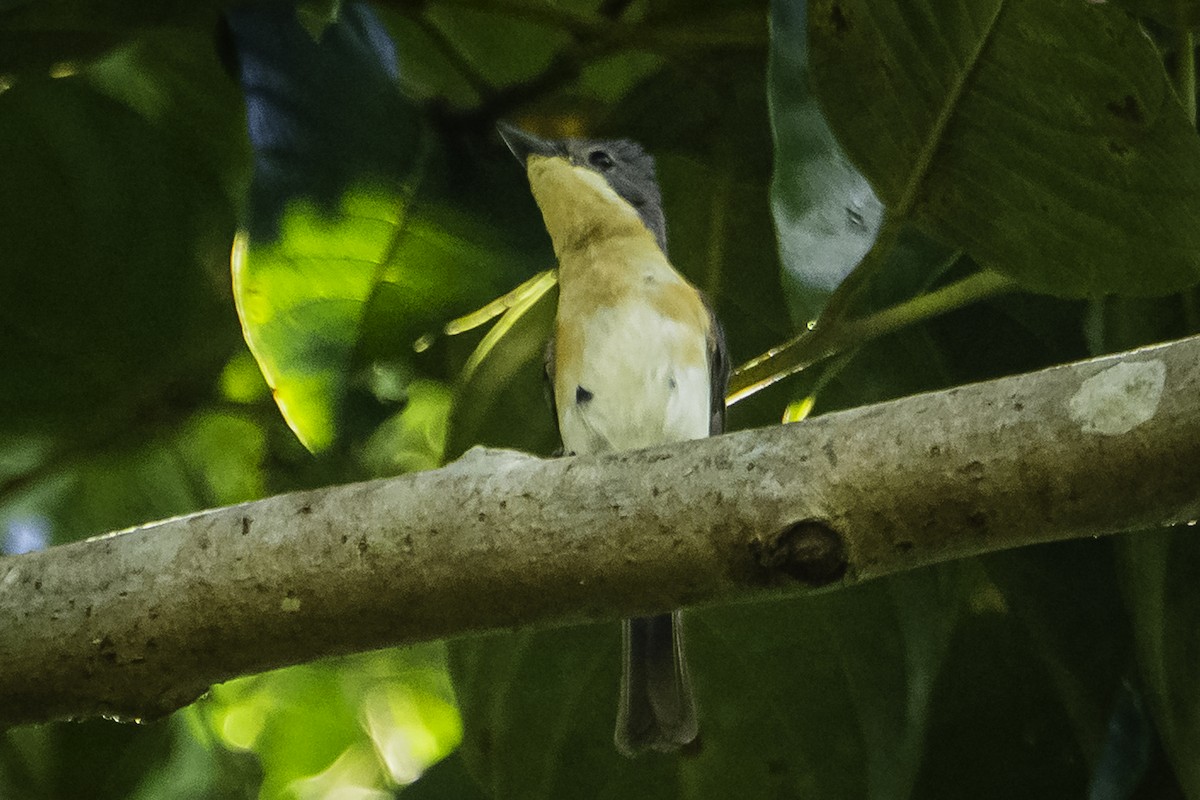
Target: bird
<point>637,359</point>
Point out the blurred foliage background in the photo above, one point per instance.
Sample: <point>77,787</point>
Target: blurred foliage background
<point>1020,181</point>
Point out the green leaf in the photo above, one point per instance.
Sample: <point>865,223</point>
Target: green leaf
<point>485,40</point>
<point>107,15</point>
<point>95,759</point>
<point>207,460</point>
<point>1124,323</point>
<point>173,79</point>
<point>1175,13</point>
<point>823,697</point>
<point>367,722</point>
<point>538,713</point>
<point>39,52</point>
<point>1062,597</point>
<point>361,235</point>
<point>996,724</point>
<point>1006,336</point>
<point>302,300</point>
<point>1042,136</point>
<point>110,232</point>
<point>415,438</point>
<point>1158,579</point>
<point>446,780</point>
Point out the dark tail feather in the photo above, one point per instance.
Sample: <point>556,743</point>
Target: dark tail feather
<point>657,711</point>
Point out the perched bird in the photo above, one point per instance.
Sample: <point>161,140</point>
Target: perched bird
<point>637,359</point>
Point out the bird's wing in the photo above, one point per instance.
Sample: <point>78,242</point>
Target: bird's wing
<point>548,372</point>
<point>718,370</point>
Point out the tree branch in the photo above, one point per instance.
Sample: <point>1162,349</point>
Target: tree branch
<point>138,623</point>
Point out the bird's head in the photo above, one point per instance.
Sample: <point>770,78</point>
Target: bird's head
<point>589,186</point>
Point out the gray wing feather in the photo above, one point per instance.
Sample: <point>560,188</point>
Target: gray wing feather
<point>718,370</point>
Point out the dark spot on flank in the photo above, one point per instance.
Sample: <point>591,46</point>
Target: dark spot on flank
<point>671,383</point>
<point>1127,108</point>
<point>582,395</point>
<point>245,525</point>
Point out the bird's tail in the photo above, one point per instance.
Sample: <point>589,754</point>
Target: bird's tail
<point>657,711</point>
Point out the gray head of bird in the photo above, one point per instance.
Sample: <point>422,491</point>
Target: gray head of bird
<point>583,184</point>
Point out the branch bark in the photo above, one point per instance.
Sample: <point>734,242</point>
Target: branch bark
<point>138,623</point>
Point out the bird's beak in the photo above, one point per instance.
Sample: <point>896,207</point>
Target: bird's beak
<point>524,144</point>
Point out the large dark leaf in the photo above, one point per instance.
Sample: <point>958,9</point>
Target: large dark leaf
<point>36,35</point>
<point>1176,13</point>
<point>822,697</point>
<point>1158,576</point>
<point>108,232</point>
<point>1040,135</point>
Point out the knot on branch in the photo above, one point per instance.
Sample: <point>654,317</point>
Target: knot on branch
<point>809,551</point>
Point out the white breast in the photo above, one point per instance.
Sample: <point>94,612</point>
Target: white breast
<point>642,379</point>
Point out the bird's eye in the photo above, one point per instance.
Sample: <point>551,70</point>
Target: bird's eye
<point>600,159</point>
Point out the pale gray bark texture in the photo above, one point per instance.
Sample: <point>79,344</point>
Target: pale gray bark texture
<point>138,623</point>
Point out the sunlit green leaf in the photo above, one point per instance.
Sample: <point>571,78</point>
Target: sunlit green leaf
<point>207,460</point>
<point>369,722</point>
<point>415,438</point>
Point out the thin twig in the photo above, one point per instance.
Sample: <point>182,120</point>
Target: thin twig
<point>814,345</point>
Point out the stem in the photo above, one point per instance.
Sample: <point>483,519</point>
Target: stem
<point>812,346</point>
<point>964,292</point>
